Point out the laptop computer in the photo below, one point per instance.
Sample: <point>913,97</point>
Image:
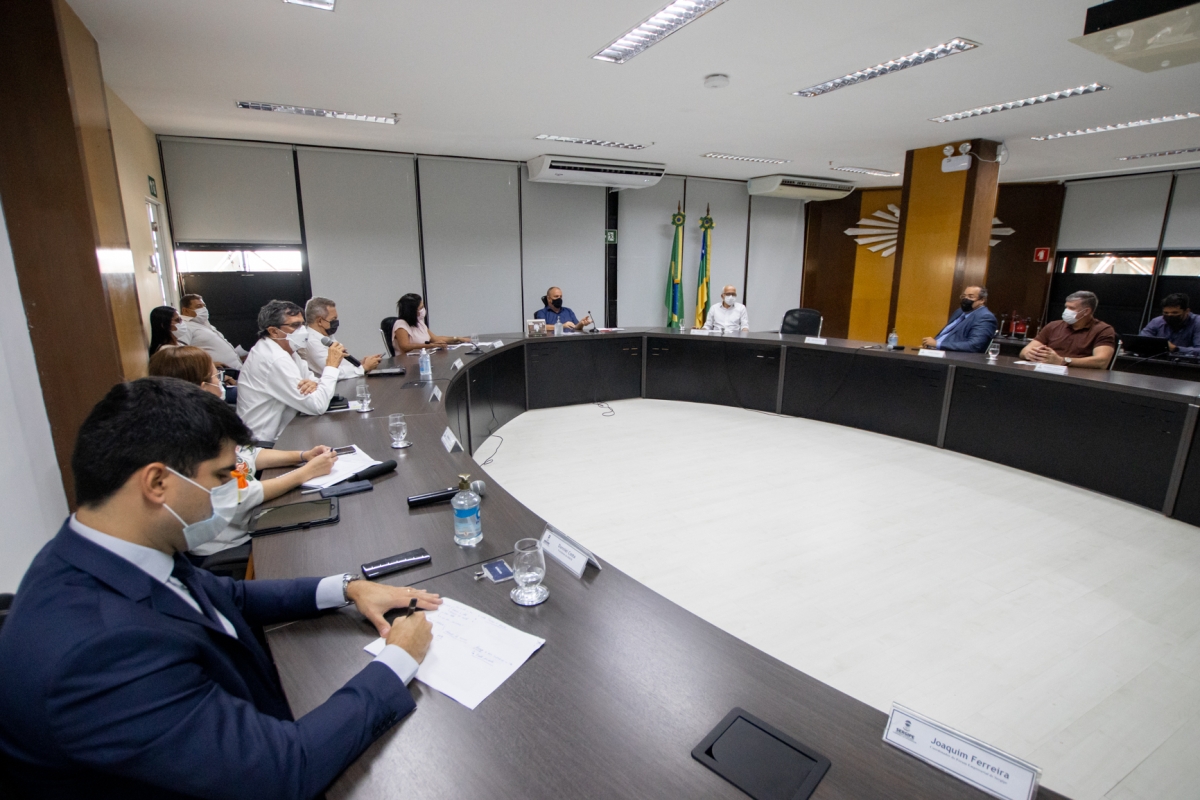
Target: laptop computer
<point>1143,346</point>
<point>389,366</point>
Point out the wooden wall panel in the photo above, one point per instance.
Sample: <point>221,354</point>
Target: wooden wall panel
<point>829,261</point>
<point>874,274</point>
<point>1015,281</point>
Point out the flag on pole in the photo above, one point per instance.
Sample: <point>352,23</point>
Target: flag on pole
<point>674,297</point>
<point>703,296</point>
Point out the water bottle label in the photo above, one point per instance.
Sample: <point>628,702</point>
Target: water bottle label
<point>463,513</point>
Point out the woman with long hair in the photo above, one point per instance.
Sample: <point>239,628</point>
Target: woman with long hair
<point>164,321</point>
<point>410,331</point>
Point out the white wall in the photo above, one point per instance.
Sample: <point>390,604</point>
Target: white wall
<point>727,261</point>
<point>776,260</point>
<point>563,240</point>
<point>644,253</point>
<point>360,218</point>
<point>31,489</point>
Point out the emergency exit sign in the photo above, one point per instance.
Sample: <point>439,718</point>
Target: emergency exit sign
<point>610,236</point>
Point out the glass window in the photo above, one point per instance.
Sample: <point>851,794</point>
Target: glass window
<point>1188,266</point>
<point>1109,264</point>
<point>238,261</point>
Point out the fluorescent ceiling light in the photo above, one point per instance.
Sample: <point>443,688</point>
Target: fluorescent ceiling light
<point>597,142</point>
<point>882,173</point>
<point>728,157</point>
<point>324,5</point>
<point>1161,154</point>
<point>1078,91</point>
<point>1118,127</point>
<point>887,68</point>
<point>315,112</point>
<point>655,29</point>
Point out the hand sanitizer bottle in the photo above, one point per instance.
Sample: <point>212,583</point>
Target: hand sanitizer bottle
<point>893,340</point>
<point>426,367</point>
<point>468,531</point>
<point>558,328</point>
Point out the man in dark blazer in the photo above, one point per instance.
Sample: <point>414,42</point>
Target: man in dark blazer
<point>125,672</point>
<point>971,326</point>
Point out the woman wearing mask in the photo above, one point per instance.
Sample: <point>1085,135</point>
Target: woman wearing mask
<point>164,322</point>
<point>193,365</point>
<point>410,331</point>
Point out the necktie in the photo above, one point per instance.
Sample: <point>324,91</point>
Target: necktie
<point>184,575</point>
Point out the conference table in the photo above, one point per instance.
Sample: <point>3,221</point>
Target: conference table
<point>627,682</point>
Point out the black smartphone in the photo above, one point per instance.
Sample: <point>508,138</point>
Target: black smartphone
<point>344,451</point>
<point>294,516</point>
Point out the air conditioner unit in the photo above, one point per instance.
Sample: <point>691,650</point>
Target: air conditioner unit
<point>798,188</point>
<point>594,172</point>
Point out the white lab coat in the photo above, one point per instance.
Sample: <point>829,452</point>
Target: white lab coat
<point>249,499</point>
<point>268,390</point>
<point>315,354</point>
<point>200,333</point>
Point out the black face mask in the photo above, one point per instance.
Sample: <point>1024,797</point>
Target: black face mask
<point>556,304</point>
<point>333,326</point>
<point>1174,323</point>
<point>967,305</point>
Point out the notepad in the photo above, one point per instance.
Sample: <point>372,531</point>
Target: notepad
<point>471,654</point>
<point>343,468</point>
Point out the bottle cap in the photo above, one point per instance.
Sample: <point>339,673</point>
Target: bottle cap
<point>464,483</point>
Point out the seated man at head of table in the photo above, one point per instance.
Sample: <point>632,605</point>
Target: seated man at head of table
<point>1077,340</point>
<point>199,332</point>
<point>1178,325</point>
<point>971,326</point>
<point>730,316</point>
<point>276,384</point>
<point>321,321</point>
<point>127,672</point>
<point>555,311</point>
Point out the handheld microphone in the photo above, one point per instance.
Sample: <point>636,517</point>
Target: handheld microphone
<point>327,341</point>
<point>444,495</point>
<point>374,471</point>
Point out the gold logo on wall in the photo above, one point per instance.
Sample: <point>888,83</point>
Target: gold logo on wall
<point>879,232</point>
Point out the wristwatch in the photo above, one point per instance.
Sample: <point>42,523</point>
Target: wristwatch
<point>1067,361</point>
<point>346,580</point>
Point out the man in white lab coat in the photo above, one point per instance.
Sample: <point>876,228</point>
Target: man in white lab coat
<point>197,331</point>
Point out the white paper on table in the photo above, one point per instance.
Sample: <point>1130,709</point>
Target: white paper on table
<point>498,343</point>
<point>1026,363</point>
<point>609,330</point>
<point>343,468</point>
<point>471,653</point>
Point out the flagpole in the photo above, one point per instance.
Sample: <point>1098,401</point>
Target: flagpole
<point>703,289</point>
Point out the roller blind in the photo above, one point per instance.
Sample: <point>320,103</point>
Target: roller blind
<point>1114,214</point>
<point>776,260</point>
<point>644,253</point>
<point>231,192</point>
<point>1183,228</point>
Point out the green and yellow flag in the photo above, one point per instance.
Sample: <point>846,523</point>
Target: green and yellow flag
<point>674,298</point>
<point>703,296</point>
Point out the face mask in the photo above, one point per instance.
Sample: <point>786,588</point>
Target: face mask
<point>420,315</point>
<point>556,304</point>
<point>298,338</point>
<point>220,386</point>
<point>1174,323</point>
<point>729,299</point>
<point>333,326</point>
<point>1070,317</point>
<point>224,500</point>
<point>202,313</point>
<point>967,305</point>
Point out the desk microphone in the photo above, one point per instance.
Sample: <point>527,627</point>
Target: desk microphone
<point>374,471</point>
<point>593,330</point>
<point>444,495</point>
<point>327,341</point>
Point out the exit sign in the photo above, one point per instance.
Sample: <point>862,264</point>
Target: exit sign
<point>610,236</point>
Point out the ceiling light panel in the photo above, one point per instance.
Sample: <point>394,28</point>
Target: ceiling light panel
<point>597,142</point>
<point>729,157</point>
<point>880,173</point>
<point>1078,91</point>
<point>1120,126</point>
<point>1160,154</point>
<point>887,68</point>
<point>658,27</point>
<point>314,112</point>
<point>324,5</point>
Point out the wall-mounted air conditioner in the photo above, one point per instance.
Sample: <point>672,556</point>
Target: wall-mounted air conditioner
<point>798,188</point>
<point>594,172</point>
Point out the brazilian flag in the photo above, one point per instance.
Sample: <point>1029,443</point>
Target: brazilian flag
<point>674,298</point>
<point>703,296</point>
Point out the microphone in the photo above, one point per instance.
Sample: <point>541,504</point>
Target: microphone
<point>444,495</point>
<point>593,330</point>
<point>374,471</point>
<point>327,341</point>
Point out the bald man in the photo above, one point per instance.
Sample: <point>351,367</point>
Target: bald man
<point>555,311</point>
<point>730,316</point>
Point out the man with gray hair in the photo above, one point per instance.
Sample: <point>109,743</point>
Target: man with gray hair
<point>1077,340</point>
<point>321,321</point>
<point>275,384</point>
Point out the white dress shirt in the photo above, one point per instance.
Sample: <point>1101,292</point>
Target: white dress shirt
<point>159,565</point>
<point>728,319</point>
<point>200,333</point>
<point>268,389</point>
<point>315,354</point>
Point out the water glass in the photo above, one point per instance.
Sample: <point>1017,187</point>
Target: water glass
<point>529,568</point>
<point>475,341</point>
<point>364,397</point>
<point>398,429</point>
<point>993,351</point>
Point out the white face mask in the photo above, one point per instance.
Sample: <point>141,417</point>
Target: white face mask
<point>1070,317</point>
<point>730,299</point>
<point>220,387</point>
<point>224,501</point>
<point>297,338</point>
<point>202,313</point>
<point>420,315</point>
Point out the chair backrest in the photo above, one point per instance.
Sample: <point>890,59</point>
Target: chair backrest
<point>5,603</point>
<point>385,330</point>
<point>802,322</point>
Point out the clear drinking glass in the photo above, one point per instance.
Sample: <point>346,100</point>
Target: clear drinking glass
<point>398,429</point>
<point>529,567</point>
<point>474,341</point>
<point>993,351</point>
<point>364,397</point>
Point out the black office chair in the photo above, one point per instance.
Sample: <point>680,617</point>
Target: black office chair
<point>385,330</point>
<point>802,322</point>
<point>5,603</point>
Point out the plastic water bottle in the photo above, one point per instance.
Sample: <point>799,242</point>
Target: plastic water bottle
<point>893,340</point>
<point>468,531</point>
<point>426,367</point>
<point>558,328</point>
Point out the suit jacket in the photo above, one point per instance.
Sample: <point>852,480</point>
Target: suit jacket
<point>112,686</point>
<point>974,335</point>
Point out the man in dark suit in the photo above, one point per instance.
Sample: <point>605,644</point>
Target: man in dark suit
<point>971,326</point>
<point>126,672</point>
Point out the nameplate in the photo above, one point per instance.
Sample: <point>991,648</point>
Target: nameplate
<point>1053,369</point>
<point>699,332</point>
<point>437,394</point>
<point>815,340</point>
<point>457,365</point>
<point>450,442</point>
<point>497,343</point>
<point>966,758</point>
<point>567,552</point>
<point>932,353</point>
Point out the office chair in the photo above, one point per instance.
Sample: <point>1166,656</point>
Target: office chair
<point>5,603</point>
<point>802,322</point>
<point>385,330</point>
